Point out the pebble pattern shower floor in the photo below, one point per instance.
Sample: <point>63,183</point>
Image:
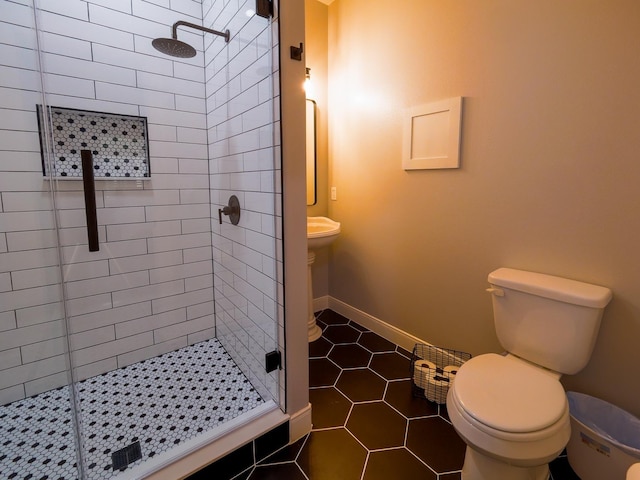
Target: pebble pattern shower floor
<point>160,403</point>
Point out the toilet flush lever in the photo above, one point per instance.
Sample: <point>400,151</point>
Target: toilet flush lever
<point>232,210</point>
<point>498,292</point>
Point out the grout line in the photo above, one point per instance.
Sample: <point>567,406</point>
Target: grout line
<point>364,467</point>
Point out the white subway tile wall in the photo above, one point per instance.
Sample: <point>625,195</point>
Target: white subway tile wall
<point>245,281</point>
<point>163,256</point>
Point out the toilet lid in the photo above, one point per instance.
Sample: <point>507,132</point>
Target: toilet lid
<point>509,395</point>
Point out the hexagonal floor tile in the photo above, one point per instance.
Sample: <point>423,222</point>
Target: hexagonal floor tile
<point>400,396</point>
<point>330,317</point>
<point>397,464</point>
<point>350,356</point>
<point>444,413</point>
<point>436,443</point>
<point>319,348</point>
<point>322,372</point>
<point>375,343</point>
<point>341,334</point>
<point>361,385</point>
<point>332,454</point>
<point>329,408</point>
<point>377,425</point>
<point>391,366</point>
<point>452,476</point>
<point>358,327</point>
<point>561,470</point>
<point>404,352</point>
<point>283,471</point>
<point>288,453</point>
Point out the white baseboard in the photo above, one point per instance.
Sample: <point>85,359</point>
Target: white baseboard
<point>300,424</point>
<point>320,303</point>
<point>382,328</point>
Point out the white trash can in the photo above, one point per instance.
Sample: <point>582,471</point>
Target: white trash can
<point>605,440</point>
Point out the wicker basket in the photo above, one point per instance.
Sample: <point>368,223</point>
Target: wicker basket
<point>433,370</point>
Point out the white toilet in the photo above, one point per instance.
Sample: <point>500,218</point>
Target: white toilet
<point>511,410</point>
<point>634,472</point>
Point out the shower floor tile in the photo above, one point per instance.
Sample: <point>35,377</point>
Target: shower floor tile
<point>159,403</point>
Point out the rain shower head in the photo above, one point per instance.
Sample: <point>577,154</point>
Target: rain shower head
<point>174,47</point>
<point>177,48</point>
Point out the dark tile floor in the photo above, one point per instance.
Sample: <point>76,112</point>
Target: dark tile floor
<point>367,425</point>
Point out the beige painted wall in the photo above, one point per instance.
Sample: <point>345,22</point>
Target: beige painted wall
<point>291,28</point>
<point>550,176</point>
<point>316,58</point>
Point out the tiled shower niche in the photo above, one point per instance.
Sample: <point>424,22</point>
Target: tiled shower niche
<point>119,144</point>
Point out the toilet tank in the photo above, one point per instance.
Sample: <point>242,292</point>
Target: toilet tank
<point>550,321</point>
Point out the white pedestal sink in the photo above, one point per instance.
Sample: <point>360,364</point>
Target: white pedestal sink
<point>321,232</point>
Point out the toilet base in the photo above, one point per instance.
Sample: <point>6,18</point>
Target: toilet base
<point>481,467</point>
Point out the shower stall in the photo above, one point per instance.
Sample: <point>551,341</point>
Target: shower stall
<point>138,322</point>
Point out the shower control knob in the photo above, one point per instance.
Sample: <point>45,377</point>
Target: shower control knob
<point>232,211</point>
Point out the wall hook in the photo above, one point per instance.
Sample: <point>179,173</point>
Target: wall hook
<point>232,210</point>
<point>296,52</point>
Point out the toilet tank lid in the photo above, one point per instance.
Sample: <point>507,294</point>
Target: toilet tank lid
<point>549,286</point>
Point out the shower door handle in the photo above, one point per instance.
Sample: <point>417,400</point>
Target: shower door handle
<point>90,200</point>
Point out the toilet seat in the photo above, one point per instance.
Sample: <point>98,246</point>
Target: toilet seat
<point>509,396</point>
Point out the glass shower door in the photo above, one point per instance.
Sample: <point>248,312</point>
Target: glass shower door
<point>37,424</point>
<point>145,149</point>
<point>243,115</point>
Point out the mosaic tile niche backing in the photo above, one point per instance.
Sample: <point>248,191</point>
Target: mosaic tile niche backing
<point>119,144</point>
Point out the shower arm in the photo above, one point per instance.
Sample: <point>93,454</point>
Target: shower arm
<point>224,34</point>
